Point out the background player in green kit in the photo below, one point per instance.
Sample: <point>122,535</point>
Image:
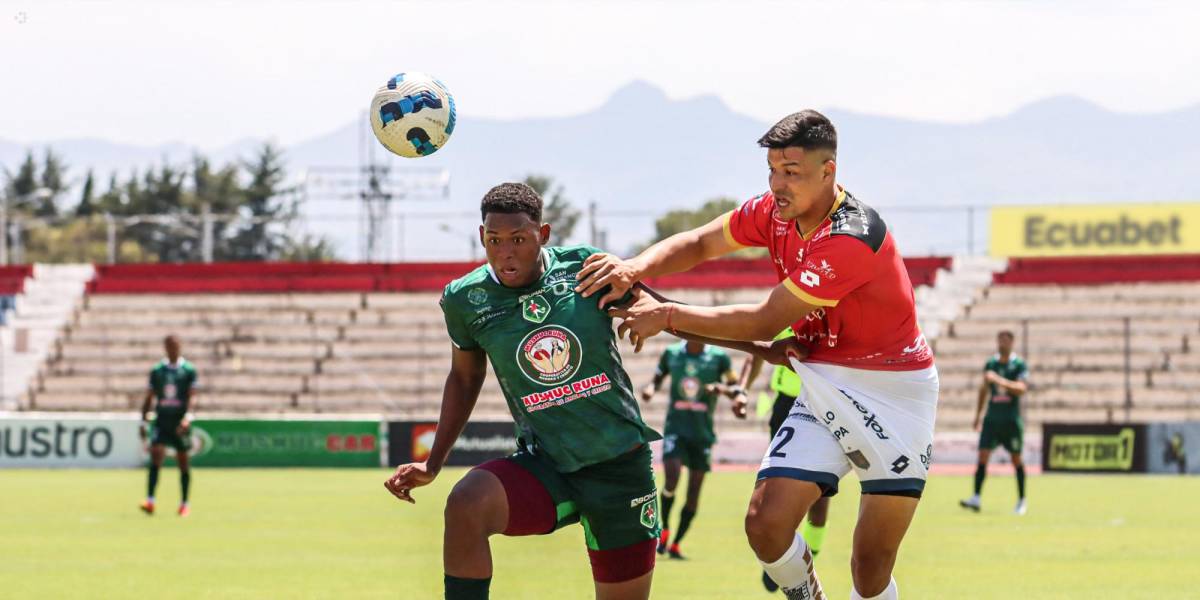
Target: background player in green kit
<point>1004,384</point>
<point>696,373</point>
<point>584,453</point>
<point>172,390</point>
<point>785,384</point>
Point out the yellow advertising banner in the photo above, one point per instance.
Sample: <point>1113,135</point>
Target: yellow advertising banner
<point>1095,229</point>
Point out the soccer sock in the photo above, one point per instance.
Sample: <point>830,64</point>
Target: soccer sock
<point>980,473</point>
<point>461,588</point>
<point>685,521</point>
<point>891,593</point>
<point>814,536</point>
<point>1021,482</point>
<point>794,570</point>
<point>668,498</point>
<point>153,483</point>
<point>185,482</point>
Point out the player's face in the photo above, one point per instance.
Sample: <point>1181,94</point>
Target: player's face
<point>171,347</point>
<point>694,348</point>
<point>1004,343</point>
<point>799,179</point>
<point>513,243</point>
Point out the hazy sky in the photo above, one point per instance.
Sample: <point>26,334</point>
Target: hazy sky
<point>211,73</point>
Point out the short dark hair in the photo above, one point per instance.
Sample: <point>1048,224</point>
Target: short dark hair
<point>807,129</point>
<point>512,198</point>
<point>1006,333</point>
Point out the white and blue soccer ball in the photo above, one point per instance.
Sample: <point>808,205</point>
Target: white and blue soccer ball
<point>413,115</point>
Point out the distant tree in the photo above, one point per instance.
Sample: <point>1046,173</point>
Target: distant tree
<point>86,206</point>
<point>54,181</point>
<point>19,187</point>
<point>556,210</point>
<point>264,200</point>
<point>307,248</point>
<point>677,221</point>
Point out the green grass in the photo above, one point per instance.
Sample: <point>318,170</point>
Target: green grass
<point>337,533</point>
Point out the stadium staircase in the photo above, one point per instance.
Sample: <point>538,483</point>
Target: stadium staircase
<point>36,302</point>
<point>321,337</point>
<point>1107,339</point>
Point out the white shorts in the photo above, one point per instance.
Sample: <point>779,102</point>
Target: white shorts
<point>880,423</point>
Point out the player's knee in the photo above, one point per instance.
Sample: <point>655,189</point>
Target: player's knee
<point>765,530</point>
<point>872,563</point>
<point>692,504</point>
<point>468,507</point>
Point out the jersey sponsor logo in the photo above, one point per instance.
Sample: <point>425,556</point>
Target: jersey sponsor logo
<point>692,406</point>
<point>550,355</point>
<point>566,393</point>
<point>535,308</point>
<point>900,464</point>
<point>636,502</point>
<point>823,268</point>
<point>810,279</point>
<point>869,420</point>
<point>477,296</point>
<point>649,514</point>
<point>927,457</point>
<point>690,386</point>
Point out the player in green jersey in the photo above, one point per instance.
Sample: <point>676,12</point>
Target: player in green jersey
<point>172,391</point>
<point>583,453</point>
<point>785,383</point>
<point>696,371</point>
<point>1005,381</point>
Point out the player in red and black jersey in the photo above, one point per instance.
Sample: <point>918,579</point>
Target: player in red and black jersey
<point>869,391</point>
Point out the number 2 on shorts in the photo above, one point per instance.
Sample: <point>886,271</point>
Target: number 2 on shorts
<point>786,434</point>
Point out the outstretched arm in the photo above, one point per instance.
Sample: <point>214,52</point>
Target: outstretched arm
<point>468,368</point>
<point>677,253</point>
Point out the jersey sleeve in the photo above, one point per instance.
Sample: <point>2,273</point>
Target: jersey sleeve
<point>664,365</point>
<point>750,224</point>
<point>456,326</point>
<point>1022,372</point>
<point>834,267</point>
<point>726,364</point>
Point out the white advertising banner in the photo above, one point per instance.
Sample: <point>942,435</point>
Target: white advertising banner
<point>38,440</point>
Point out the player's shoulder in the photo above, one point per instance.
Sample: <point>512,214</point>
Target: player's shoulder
<point>576,253</point>
<point>854,219</point>
<point>461,287</point>
<point>715,351</point>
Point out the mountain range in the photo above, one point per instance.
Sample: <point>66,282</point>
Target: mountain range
<point>641,154</point>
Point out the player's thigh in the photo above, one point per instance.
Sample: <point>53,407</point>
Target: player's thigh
<point>532,494</point>
<point>182,458</point>
<point>618,508</point>
<point>883,421</point>
<point>883,521</point>
<point>157,453</point>
<point>637,588</point>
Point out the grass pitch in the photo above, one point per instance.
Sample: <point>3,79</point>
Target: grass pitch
<point>308,533</point>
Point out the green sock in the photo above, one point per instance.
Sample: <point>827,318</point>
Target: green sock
<point>813,536</point>
<point>461,588</point>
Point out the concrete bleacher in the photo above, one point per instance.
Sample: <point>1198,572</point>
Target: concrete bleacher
<point>1078,323</point>
<point>379,350</point>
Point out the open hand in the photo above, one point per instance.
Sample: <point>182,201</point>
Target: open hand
<point>600,270</point>
<point>407,477</point>
<point>643,318</point>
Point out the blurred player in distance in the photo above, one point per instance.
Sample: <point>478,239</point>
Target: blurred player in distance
<point>785,385</point>
<point>171,393</point>
<point>1005,381</point>
<point>584,454</point>
<point>697,372</point>
<point>870,386</point>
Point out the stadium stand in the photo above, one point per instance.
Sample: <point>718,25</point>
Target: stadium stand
<point>37,302</point>
<point>320,337</point>
<point>1079,322</point>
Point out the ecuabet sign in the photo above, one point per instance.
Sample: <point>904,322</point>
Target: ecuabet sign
<point>1095,229</point>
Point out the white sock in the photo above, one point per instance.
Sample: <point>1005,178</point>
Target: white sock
<point>150,499</point>
<point>795,570</point>
<point>891,593</point>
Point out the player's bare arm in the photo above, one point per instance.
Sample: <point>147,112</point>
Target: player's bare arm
<point>1016,387</point>
<point>646,317</point>
<point>147,403</point>
<point>981,400</point>
<point>653,387</point>
<point>468,368</point>
<point>677,253</point>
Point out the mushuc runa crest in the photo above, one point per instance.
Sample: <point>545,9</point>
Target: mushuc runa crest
<point>535,308</point>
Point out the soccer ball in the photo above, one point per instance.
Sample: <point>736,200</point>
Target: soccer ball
<point>413,115</point>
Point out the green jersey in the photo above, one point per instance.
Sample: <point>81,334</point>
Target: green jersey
<point>690,412</point>
<point>555,354</point>
<point>1004,405</point>
<point>172,386</point>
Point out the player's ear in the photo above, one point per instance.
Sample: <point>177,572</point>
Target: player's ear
<point>829,168</point>
<point>481,236</point>
<point>544,234</point>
